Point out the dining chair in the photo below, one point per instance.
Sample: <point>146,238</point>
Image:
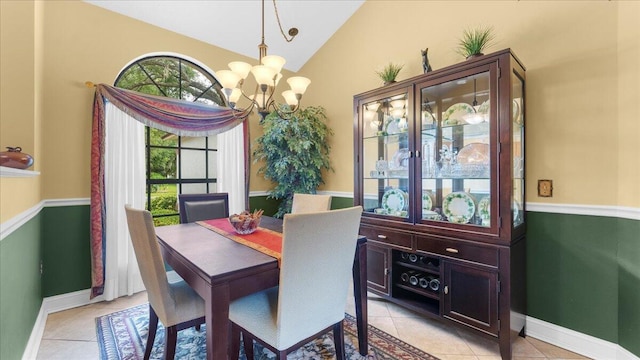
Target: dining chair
<point>305,203</point>
<point>171,300</point>
<point>197,207</point>
<point>311,296</point>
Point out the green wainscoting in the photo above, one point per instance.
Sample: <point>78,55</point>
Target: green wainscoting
<point>66,250</point>
<point>628,233</point>
<point>574,276</point>
<point>20,287</point>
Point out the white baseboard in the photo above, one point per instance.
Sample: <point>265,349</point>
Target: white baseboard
<point>577,342</point>
<point>51,305</point>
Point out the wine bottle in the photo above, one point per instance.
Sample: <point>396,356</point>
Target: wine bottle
<point>404,256</point>
<point>424,281</point>
<point>414,279</point>
<point>434,284</point>
<point>405,276</point>
<point>413,258</point>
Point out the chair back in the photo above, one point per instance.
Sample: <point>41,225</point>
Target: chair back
<point>197,207</point>
<point>315,272</point>
<point>306,203</point>
<point>152,271</point>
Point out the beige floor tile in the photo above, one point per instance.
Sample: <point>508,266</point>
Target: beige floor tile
<point>480,346</point>
<point>523,348</point>
<point>455,357</point>
<point>67,350</point>
<point>377,307</point>
<point>384,323</point>
<point>432,337</point>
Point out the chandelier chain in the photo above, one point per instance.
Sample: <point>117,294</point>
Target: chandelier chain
<point>293,31</point>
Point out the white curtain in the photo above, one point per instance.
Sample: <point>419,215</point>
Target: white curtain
<point>231,168</point>
<point>124,184</point>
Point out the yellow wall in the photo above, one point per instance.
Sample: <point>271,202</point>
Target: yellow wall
<point>581,56</point>
<point>19,104</point>
<point>572,51</point>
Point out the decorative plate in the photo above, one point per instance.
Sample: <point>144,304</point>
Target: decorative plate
<point>400,159</point>
<point>484,210</point>
<point>392,125</point>
<point>394,201</point>
<point>474,153</point>
<point>459,207</point>
<point>456,112</point>
<point>427,200</point>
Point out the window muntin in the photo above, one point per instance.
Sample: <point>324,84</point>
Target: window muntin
<point>174,164</point>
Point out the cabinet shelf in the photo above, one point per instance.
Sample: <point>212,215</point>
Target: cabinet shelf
<point>427,269</point>
<point>420,291</point>
<point>11,172</point>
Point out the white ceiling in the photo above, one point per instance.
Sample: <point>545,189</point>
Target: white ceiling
<point>236,25</point>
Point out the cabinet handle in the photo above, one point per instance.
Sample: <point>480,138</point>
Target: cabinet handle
<point>382,236</point>
<point>446,290</point>
<point>386,271</point>
<point>452,250</point>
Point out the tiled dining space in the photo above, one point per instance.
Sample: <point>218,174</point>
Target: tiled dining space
<point>71,334</point>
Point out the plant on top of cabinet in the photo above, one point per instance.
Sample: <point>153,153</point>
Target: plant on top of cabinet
<point>389,73</point>
<point>475,41</point>
<point>294,154</point>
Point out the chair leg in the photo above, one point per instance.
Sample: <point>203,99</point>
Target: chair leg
<point>170,342</point>
<point>153,326</point>
<point>247,341</point>
<point>234,346</point>
<point>338,340</point>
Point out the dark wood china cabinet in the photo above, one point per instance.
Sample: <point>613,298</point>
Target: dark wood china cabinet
<point>439,170</point>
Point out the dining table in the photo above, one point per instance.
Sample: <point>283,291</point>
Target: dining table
<point>221,270</point>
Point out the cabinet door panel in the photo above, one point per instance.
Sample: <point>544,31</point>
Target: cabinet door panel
<point>378,267</point>
<point>471,296</point>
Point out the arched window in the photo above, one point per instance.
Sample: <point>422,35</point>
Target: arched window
<point>174,164</point>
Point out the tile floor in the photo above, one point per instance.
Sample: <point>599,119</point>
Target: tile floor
<point>71,334</point>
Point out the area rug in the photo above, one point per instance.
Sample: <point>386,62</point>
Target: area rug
<point>122,336</point>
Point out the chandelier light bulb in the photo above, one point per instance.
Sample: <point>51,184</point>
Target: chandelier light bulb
<point>228,79</point>
<point>398,104</point>
<point>241,68</point>
<point>274,61</point>
<point>234,96</point>
<point>290,98</point>
<point>373,106</point>
<point>298,84</point>
<point>264,75</point>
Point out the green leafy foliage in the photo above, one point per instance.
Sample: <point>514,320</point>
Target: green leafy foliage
<point>294,153</point>
<point>474,41</point>
<point>390,72</point>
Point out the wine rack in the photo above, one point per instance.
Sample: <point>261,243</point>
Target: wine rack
<point>418,279</point>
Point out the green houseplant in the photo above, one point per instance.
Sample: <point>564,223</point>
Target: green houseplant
<point>294,153</point>
<point>389,73</point>
<point>474,41</point>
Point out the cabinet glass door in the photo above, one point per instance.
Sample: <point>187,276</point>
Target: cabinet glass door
<point>455,142</point>
<point>517,113</point>
<point>386,156</point>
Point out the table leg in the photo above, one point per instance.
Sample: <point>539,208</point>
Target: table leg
<point>217,320</point>
<point>360,295</point>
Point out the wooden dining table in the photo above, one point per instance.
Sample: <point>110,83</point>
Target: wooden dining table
<point>221,270</point>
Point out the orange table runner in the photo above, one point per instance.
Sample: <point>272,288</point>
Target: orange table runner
<point>264,240</point>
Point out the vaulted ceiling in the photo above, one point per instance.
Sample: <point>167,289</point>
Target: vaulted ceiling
<point>235,25</point>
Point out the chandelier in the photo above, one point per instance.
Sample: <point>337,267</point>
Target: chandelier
<point>267,75</point>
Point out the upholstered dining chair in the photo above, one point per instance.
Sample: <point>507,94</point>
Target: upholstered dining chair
<point>170,299</point>
<point>197,207</point>
<point>305,203</point>
<point>310,299</point>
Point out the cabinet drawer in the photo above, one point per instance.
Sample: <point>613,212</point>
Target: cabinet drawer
<point>388,237</point>
<point>459,250</point>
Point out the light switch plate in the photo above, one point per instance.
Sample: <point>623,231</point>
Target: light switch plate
<point>545,188</point>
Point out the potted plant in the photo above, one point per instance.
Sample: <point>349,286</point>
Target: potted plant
<point>294,153</point>
<point>389,73</point>
<point>474,41</point>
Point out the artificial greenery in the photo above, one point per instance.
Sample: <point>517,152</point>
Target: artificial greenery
<point>474,41</point>
<point>389,73</point>
<point>293,153</point>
